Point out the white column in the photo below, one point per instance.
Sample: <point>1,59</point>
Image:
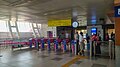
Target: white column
<point>33,31</point>
<point>17,27</point>
<point>10,26</point>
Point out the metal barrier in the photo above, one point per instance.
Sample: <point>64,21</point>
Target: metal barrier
<point>107,46</point>
<point>111,49</point>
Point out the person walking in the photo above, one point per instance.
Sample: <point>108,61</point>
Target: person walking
<point>81,44</point>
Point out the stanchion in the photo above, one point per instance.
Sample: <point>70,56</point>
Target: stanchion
<point>48,45</point>
<point>90,48</point>
<point>113,45</point>
<point>110,49</point>
<point>30,42</point>
<point>95,43</point>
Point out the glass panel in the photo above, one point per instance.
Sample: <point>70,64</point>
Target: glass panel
<point>39,26</point>
<point>4,30</point>
<point>14,31</point>
<point>3,26</point>
<point>12,23</point>
<point>24,27</point>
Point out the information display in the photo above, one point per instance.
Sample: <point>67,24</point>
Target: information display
<point>93,30</point>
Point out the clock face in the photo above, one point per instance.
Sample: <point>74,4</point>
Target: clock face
<point>75,24</point>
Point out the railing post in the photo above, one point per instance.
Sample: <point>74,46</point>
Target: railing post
<point>90,48</point>
<point>110,48</point>
<point>94,44</point>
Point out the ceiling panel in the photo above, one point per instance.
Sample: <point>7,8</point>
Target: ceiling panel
<point>53,9</point>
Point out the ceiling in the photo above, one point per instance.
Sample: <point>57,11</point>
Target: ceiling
<point>52,9</point>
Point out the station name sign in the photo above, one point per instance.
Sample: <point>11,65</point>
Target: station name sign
<point>54,23</point>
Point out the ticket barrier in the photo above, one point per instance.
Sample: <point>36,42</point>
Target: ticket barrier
<point>64,46</point>
<point>48,46</point>
<point>32,42</point>
<point>42,44</point>
<point>37,46</point>
<point>68,43</point>
<point>55,45</point>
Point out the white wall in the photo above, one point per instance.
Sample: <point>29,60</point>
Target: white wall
<point>45,28</point>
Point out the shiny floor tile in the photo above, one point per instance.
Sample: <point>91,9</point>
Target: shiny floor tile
<point>99,65</point>
<point>42,56</point>
<point>34,58</point>
<point>78,62</point>
<point>57,59</point>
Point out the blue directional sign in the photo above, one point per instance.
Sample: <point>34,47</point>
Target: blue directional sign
<point>117,11</point>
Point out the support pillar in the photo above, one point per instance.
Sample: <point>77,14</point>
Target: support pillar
<point>35,28</point>
<point>74,19</point>
<point>10,21</point>
<point>117,41</point>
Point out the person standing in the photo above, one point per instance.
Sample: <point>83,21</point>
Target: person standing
<point>76,38</point>
<point>81,44</point>
<point>98,49</point>
<point>88,41</point>
<point>107,37</point>
<point>112,35</point>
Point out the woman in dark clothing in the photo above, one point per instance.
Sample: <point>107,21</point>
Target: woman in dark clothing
<point>88,42</point>
<point>98,50</point>
<point>107,37</point>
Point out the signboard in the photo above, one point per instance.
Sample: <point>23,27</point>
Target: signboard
<point>53,23</point>
<point>117,11</point>
<point>93,30</point>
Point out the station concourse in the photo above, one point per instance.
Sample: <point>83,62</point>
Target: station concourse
<point>59,33</point>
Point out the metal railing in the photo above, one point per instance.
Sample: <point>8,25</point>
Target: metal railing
<point>107,46</point>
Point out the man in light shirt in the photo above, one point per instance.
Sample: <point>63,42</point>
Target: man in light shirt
<point>81,43</point>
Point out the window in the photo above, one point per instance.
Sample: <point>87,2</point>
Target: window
<point>24,27</point>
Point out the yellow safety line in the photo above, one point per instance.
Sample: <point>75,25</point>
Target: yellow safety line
<point>73,61</point>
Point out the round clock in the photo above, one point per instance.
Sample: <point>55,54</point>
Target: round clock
<point>75,24</point>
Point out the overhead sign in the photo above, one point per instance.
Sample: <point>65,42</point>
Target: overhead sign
<point>53,23</point>
<point>117,11</point>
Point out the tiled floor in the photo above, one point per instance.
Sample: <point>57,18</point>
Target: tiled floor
<point>34,58</point>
